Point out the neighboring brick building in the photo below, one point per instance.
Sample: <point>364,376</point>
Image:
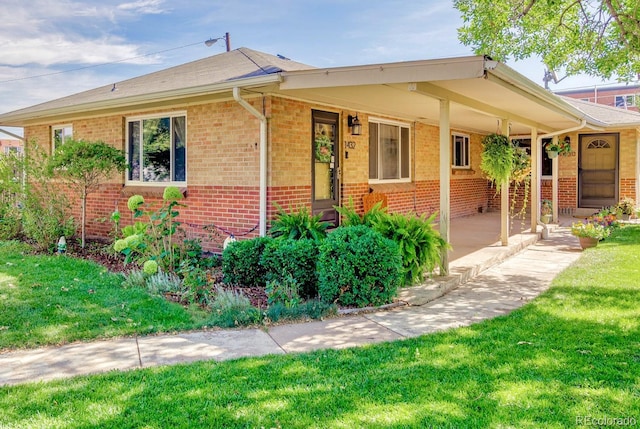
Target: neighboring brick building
<point>10,145</point>
<point>620,96</point>
<point>243,131</point>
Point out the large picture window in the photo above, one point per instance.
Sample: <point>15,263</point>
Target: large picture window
<point>389,152</point>
<point>460,151</point>
<point>156,149</point>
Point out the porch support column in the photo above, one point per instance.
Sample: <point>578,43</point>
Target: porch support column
<point>504,197</point>
<point>555,162</point>
<point>445,181</point>
<point>535,179</point>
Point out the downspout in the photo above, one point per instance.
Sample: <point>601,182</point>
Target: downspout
<point>263,159</point>
<point>554,181</point>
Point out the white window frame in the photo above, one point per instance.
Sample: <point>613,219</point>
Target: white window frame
<point>467,140</point>
<point>400,125</point>
<point>628,100</point>
<point>141,118</point>
<point>16,149</point>
<point>65,137</point>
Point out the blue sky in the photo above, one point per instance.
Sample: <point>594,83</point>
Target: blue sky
<point>41,40</point>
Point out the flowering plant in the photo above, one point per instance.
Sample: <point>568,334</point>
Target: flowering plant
<point>590,229</point>
<point>561,147</point>
<point>627,206</point>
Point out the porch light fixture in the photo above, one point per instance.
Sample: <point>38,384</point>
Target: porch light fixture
<point>211,41</point>
<point>355,127</point>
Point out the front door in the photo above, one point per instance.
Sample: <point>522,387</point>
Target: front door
<point>324,165</point>
<point>598,170</point>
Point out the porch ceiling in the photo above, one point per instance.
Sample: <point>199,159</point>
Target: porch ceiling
<point>480,92</point>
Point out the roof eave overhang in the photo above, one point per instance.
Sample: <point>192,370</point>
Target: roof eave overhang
<point>19,118</point>
<point>506,76</point>
<point>390,73</point>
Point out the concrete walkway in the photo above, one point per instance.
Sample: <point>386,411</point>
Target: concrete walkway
<point>484,283</point>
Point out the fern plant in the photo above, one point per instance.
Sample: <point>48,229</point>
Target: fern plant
<point>420,245</point>
<point>497,158</point>
<point>298,225</point>
<point>350,217</point>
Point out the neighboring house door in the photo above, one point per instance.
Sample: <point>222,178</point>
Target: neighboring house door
<point>324,165</point>
<point>598,170</point>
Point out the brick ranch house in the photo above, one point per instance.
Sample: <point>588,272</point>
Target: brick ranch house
<point>242,130</point>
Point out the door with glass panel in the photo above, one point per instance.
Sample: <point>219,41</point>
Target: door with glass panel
<point>598,170</point>
<point>325,187</point>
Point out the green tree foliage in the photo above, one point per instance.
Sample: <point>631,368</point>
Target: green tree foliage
<point>600,38</point>
<point>84,166</point>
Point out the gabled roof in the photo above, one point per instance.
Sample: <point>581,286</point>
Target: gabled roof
<point>197,77</point>
<point>612,116</point>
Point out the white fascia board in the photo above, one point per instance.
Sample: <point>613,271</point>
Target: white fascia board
<point>505,75</point>
<point>390,73</point>
<point>9,119</point>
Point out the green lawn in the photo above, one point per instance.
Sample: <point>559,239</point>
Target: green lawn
<point>571,356</point>
<point>58,299</point>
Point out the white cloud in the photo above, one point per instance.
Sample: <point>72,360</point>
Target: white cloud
<point>144,6</point>
<point>69,32</point>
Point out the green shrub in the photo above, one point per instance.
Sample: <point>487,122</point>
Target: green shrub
<point>297,225</point>
<point>420,245</point>
<point>45,219</point>
<point>230,308</point>
<point>283,291</point>
<point>195,286</point>
<point>241,262</point>
<point>293,258</point>
<point>45,212</point>
<point>11,194</point>
<point>358,266</point>
<point>10,223</point>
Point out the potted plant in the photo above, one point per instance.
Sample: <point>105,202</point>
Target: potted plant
<point>561,147</point>
<point>546,210</point>
<point>627,207</point>
<point>589,233</point>
<point>497,158</point>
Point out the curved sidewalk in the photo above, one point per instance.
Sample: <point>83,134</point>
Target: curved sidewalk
<point>487,283</point>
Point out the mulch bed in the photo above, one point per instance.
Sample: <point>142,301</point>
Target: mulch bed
<point>97,251</point>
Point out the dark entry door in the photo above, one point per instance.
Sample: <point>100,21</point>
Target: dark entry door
<point>598,170</point>
<point>324,164</point>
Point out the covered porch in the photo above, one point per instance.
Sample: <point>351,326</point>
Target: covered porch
<point>477,246</point>
<point>474,94</point>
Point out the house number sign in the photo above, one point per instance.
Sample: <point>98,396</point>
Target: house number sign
<point>350,144</point>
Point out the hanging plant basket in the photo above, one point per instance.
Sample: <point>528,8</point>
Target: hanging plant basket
<point>497,158</point>
<point>552,154</point>
<point>504,161</point>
